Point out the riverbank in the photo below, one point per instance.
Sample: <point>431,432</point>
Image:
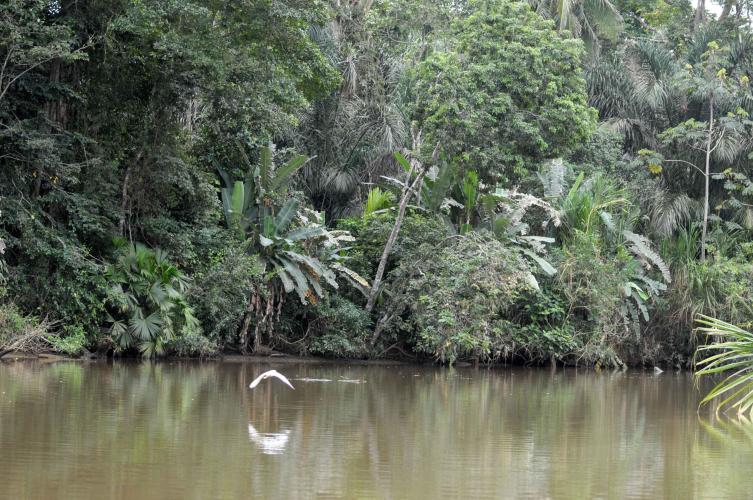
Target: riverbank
<point>225,358</point>
<point>288,359</point>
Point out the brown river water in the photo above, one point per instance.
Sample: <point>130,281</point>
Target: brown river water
<point>192,430</point>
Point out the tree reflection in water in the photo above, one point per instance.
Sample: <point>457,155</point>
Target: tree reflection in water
<point>194,430</point>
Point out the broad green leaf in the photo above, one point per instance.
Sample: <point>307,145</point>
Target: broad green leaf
<point>265,242</point>
<point>543,263</point>
<point>282,175</point>
<point>402,161</point>
<point>294,270</point>
<point>285,216</point>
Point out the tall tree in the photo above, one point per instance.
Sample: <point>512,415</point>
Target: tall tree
<point>505,93</point>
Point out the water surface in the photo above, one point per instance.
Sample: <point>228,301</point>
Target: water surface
<point>194,430</point>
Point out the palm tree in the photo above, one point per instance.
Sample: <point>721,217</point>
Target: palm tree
<point>636,91</point>
<point>148,299</point>
<point>591,20</point>
<point>351,135</point>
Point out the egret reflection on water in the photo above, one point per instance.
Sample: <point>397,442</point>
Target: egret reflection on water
<point>269,443</point>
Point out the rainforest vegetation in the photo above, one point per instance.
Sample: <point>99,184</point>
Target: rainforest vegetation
<point>451,180</point>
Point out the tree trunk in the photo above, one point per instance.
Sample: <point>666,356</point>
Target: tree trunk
<point>706,179</point>
<point>406,195</point>
<point>700,14</point>
<point>726,10</point>
<point>55,110</point>
<point>124,193</point>
<point>407,192</point>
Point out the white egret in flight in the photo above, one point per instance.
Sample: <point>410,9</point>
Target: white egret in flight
<point>271,373</point>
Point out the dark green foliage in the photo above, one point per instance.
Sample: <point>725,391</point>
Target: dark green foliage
<point>539,327</point>
<point>339,328</point>
<point>454,295</point>
<point>115,117</point>
<point>50,273</point>
<point>219,295</point>
<point>192,345</point>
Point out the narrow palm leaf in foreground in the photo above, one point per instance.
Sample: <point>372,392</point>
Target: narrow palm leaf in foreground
<point>730,352</point>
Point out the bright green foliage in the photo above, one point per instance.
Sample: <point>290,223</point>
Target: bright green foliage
<point>248,205</point>
<point>505,94</point>
<point>13,324</point>
<point>371,234</point>
<point>591,20</point>
<point>464,208</point>
<point>306,271</point>
<point>722,286</point>
<point>72,342</point>
<point>609,274</point>
<point>148,301</point>
<point>378,200</point>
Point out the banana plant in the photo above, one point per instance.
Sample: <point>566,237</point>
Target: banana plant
<point>290,241</point>
<point>248,204</point>
<point>293,241</point>
<point>303,272</point>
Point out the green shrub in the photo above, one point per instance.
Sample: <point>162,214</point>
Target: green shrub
<point>450,297</point>
<point>593,281</point>
<point>55,276</point>
<point>371,233</point>
<point>220,294</point>
<point>339,329</point>
<point>19,332</point>
<point>192,345</point>
<point>12,323</point>
<point>71,343</point>
<point>539,328</point>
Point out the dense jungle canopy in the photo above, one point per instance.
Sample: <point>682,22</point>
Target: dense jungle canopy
<point>570,180</point>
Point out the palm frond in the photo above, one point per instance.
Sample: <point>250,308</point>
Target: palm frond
<point>730,353</point>
<point>641,246</point>
<point>378,200</point>
<point>553,178</point>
